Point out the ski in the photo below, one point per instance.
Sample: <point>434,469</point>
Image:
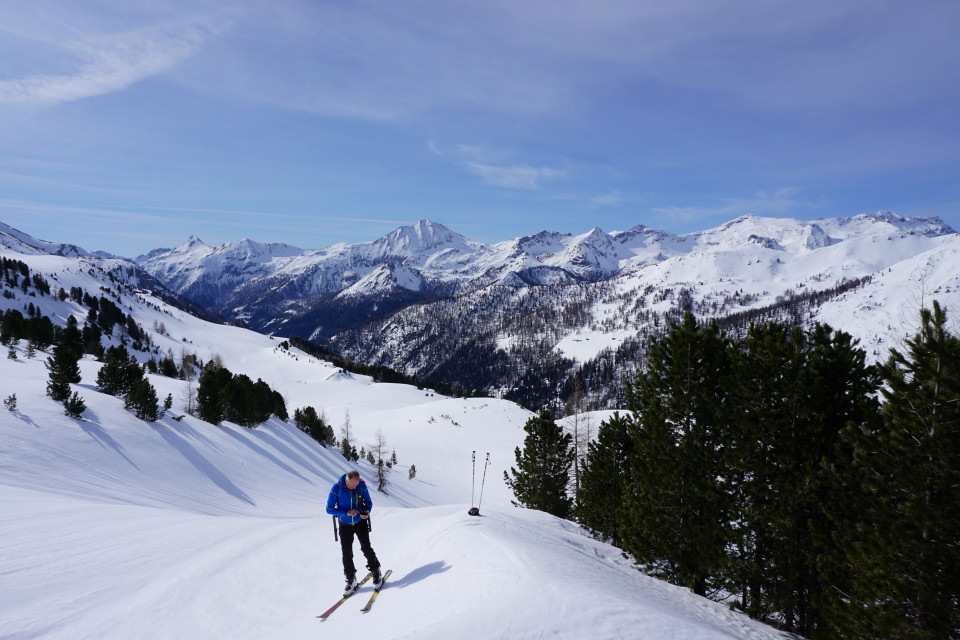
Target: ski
<point>326,614</point>
<point>376,591</point>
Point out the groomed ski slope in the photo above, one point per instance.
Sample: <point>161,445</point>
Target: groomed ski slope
<point>111,527</point>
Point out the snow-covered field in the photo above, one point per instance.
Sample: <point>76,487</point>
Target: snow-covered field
<point>111,527</point>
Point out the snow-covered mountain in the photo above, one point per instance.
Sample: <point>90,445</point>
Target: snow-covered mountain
<point>112,527</point>
<point>18,242</point>
<point>595,297</point>
<point>868,275</point>
<point>277,288</point>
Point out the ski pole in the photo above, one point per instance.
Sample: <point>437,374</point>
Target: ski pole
<point>335,539</point>
<point>473,482</point>
<point>484,481</point>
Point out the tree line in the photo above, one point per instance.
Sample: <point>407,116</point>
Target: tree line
<point>780,473</point>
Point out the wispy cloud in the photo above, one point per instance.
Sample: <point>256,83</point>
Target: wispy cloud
<point>493,167</point>
<point>106,65</point>
<point>781,202</point>
<point>514,177</point>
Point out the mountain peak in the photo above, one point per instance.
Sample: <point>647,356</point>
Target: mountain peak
<point>422,236</point>
<point>191,243</point>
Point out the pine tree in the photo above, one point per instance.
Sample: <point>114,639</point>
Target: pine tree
<point>74,406</point>
<point>603,476</point>
<point>903,550</point>
<point>10,402</point>
<point>412,472</point>
<point>238,401</point>
<point>211,403</point>
<point>540,479</point>
<point>841,390</point>
<point>794,392</point>
<point>118,372</point>
<point>677,503</point>
<point>72,338</point>
<point>764,455</point>
<point>141,400</point>
<point>63,369</point>
<point>308,420</point>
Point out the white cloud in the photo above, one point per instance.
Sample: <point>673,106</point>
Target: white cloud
<point>495,168</point>
<point>108,64</point>
<point>778,203</point>
<point>514,177</point>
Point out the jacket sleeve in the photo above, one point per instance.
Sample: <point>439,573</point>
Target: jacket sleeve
<point>366,498</point>
<point>332,508</point>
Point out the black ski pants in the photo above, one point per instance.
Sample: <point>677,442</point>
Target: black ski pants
<point>362,531</point>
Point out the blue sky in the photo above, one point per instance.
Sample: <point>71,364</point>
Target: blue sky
<point>127,126</point>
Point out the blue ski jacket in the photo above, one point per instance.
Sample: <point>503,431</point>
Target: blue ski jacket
<point>341,499</point>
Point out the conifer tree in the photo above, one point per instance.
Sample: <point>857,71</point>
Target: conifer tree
<point>211,405</point>
<point>677,504</point>
<point>141,400</point>
<point>603,476</point>
<point>119,372</point>
<point>74,406</point>
<point>238,400</point>
<point>840,391</point>
<point>63,369</point>
<point>540,479</point>
<point>768,395</point>
<point>308,420</point>
<point>794,392</point>
<point>903,552</point>
<point>72,338</point>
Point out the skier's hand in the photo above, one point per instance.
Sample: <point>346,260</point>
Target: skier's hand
<point>365,515</point>
<point>353,512</point>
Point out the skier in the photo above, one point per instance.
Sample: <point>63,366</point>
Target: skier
<point>350,501</point>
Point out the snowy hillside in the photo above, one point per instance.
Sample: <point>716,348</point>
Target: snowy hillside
<point>112,527</point>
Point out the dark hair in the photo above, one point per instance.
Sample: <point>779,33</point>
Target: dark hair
<point>353,474</point>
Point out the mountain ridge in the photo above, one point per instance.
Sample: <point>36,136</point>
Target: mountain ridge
<point>525,315</point>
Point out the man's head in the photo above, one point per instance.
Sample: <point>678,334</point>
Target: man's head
<point>352,479</point>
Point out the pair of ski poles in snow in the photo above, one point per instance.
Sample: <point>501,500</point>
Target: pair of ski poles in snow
<point>475,510</point>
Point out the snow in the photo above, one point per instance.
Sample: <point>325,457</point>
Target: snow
<point>584,345</point>
<point>111,527</point>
